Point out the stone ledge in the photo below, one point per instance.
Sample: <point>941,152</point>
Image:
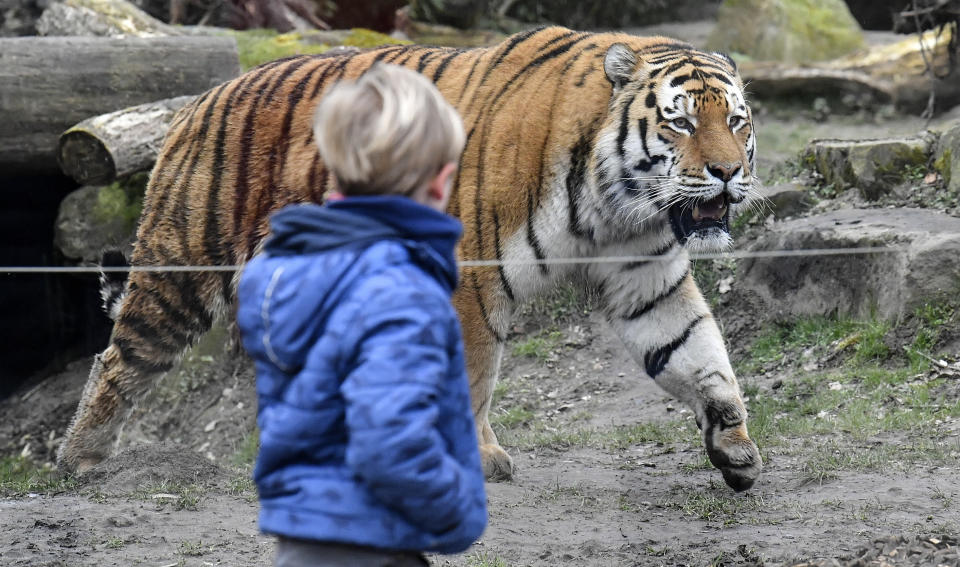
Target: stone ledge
<point>925,264</point>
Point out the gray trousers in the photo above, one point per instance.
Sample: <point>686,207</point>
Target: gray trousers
<point>300,553</point>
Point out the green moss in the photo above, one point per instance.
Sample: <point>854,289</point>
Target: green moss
<point>256,47</point>
<point>942,165</point>
<point>121,201</point>
<point>360,37</point>
<point>795,31</point>
<point>259,46</point>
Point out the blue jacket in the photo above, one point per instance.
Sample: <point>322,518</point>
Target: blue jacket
<point>366,430</point>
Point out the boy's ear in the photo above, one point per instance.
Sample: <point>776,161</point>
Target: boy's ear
<point>441,184</point>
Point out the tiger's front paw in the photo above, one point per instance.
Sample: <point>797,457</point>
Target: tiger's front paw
<point>72,459</point>
<point>497,464</point>
<point>730,448</point>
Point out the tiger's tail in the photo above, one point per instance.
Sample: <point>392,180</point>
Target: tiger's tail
<point>113,283</point>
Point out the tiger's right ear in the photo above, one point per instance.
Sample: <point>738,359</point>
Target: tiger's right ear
<point>619,64</point>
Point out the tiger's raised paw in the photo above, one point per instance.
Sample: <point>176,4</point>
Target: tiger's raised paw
<point>497,464</point>
<point>733,452</point>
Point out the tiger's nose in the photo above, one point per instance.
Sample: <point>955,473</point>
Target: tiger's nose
<point>723,170</point>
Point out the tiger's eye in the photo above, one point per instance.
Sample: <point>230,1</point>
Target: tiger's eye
<point>735,121</point>
<point>682,123</point>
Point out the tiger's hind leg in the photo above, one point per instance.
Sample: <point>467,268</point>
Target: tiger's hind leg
<point>161,315</point>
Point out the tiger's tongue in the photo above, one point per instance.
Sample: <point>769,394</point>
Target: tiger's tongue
<point>713,209</point>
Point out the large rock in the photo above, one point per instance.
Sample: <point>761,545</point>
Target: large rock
<point>92,219</point>
<point>874,167</point>
<point>797,31</point>
<point>19,17</point>
<point>947,158</point>
<point>923,263</point>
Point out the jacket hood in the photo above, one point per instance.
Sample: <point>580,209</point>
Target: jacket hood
<point>429,235</point>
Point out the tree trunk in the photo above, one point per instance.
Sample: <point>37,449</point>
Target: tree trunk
<point>49,84</point>
<point>100,149</point>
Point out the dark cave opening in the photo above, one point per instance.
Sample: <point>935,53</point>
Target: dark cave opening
<point>48,319</point>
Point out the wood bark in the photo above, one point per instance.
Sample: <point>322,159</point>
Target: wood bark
<point>105,18</point>
<point>101,149</point>
<point>49,84</point>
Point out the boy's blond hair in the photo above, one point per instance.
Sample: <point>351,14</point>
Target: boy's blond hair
<point>390,131</point>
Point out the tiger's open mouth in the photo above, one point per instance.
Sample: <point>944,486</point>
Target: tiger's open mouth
<point>690,217</point>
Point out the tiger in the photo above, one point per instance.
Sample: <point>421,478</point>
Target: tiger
<point>578,145</point>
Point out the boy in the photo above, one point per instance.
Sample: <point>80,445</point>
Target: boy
<point>368,453</point>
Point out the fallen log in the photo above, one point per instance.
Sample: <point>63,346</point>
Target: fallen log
<point>100,149</point>
<point>48,84</point>
<point>896,73</point>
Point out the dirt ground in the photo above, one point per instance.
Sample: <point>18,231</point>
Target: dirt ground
<point>610,470</point>
<point>178,493</point>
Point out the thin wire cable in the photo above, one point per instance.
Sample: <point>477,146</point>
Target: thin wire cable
<point>736,255</point>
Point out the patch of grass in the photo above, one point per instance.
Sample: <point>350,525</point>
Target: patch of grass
<point>858,403</point>
<point>114,543</point>
<point>616,438</point>
<point>242,485</point>
<point>189,548</point>
<point>509,418</point>
<point>576,494</point>
<point>829,458</point>
<point>563,302</point>
<point>724,508</point>
<point>484,559</point>
<point>539,346</point>
<point>934,317</point>
<point>20,476</point>
<point>179,496</point>
<point>780,342</point>
<point>246,453</point>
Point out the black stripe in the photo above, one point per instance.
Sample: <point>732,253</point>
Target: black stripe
<point>624,126</point>
<point>339,65</point>
<point>671,68</point>
<point>669,46</point>
<point>532,239</point>
<point>576,175</point>
<point>214,247</point>
<point>557,39</point>
<point>499,252</point>
<point>483,308</point>
<point>171,340</point>
<point>133,359</point>
<point>159,191</point>
<point>646,307</point>
<point>424,61</point>
<point>438,72</point>
<point>507,47</point>
<point>556,52</point>
<point>247,137</point>
<point>294,97</point>
<point>389,51</point>
<point>179,213</point>
<point>658,252</point>
<point>655,361</point>
<point>643,135</point>
<point>466,83</point>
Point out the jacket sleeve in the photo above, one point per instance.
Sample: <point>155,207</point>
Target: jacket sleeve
<point>391,396</point>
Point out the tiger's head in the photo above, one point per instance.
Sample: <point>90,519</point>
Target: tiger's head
<point>678,144</point>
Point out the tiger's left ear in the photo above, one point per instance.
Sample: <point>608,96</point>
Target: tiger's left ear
<point>618,64</point>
